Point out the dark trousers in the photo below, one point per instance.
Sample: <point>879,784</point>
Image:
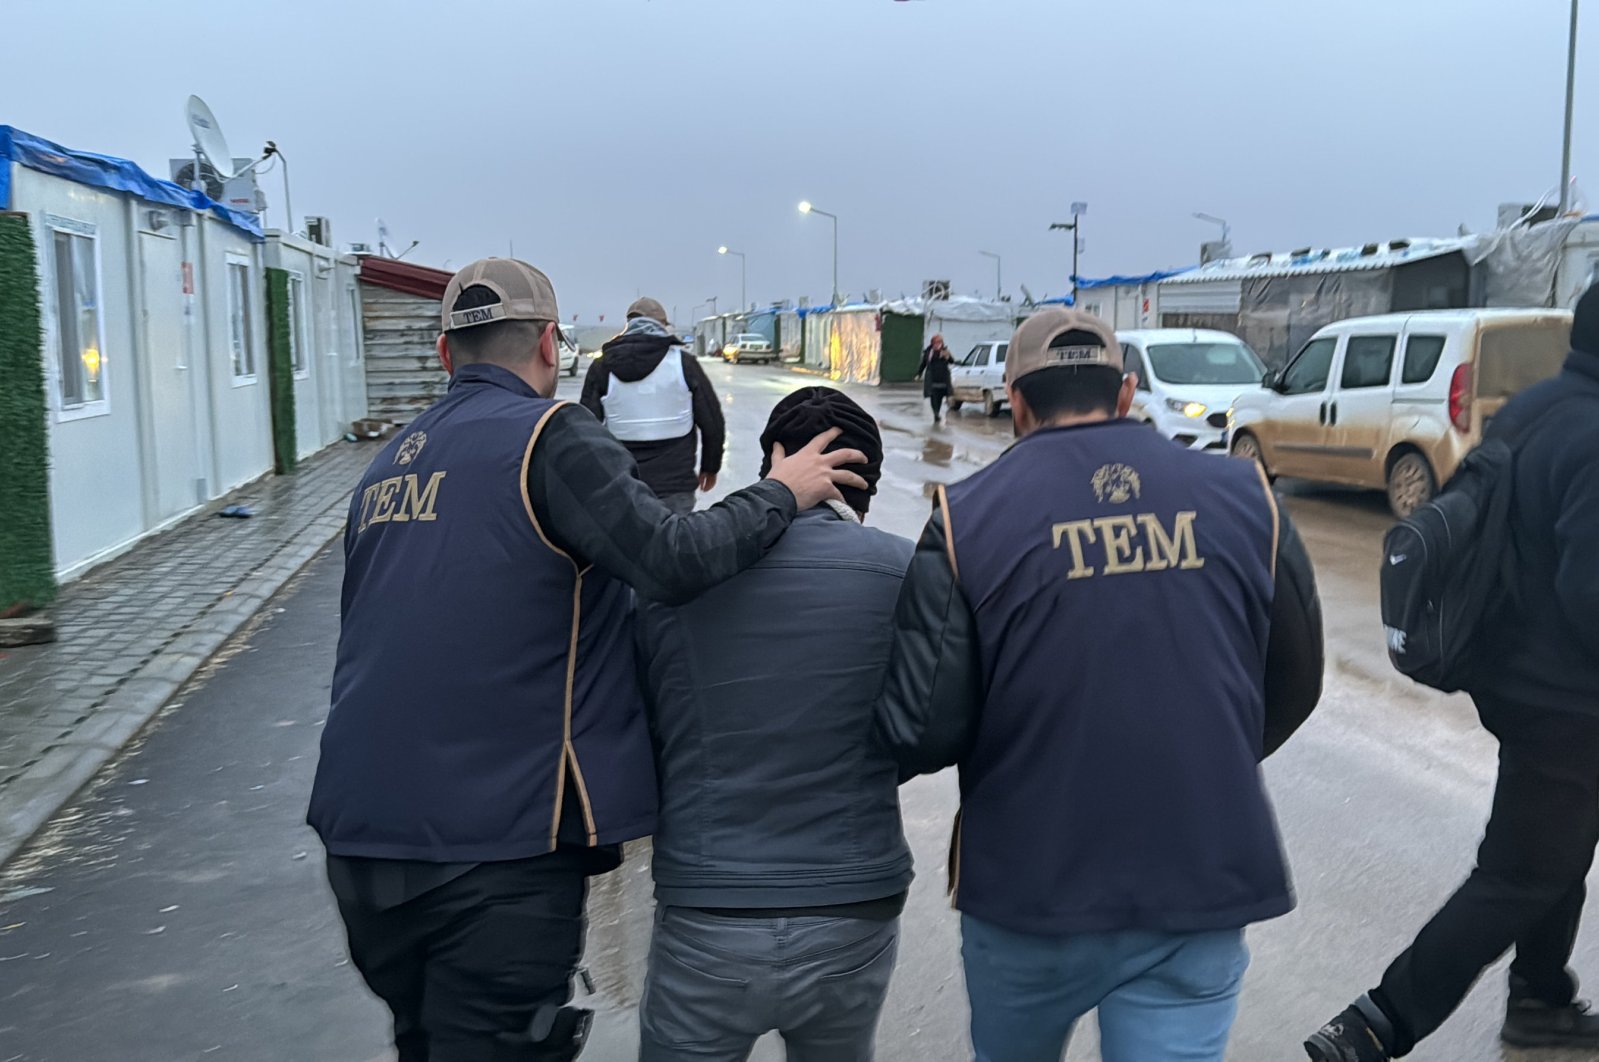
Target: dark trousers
<point>464,966</point>
<point>1527,889</point>
<point>716,984</point>
<point>936,400</point>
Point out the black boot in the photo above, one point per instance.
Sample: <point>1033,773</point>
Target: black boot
<point>1353,1036</point>
<point>1529,1023</point>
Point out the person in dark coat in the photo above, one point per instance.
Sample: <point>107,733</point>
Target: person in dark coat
<point>934,374</point>
<point>1114,836</point>
<point>780,863</point>
<point>1539,695</point>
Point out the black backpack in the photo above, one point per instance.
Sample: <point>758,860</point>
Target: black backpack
<point>1444,570</point>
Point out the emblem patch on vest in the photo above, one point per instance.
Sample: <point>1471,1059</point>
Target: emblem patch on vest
<point>411,447</point>
<point>1116,484</point>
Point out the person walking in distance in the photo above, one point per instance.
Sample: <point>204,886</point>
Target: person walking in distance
<point>1538,693</point>
<point>486,750</point>
<point>654,397</point>
<point>780,863</point>
<point>934,373</point>
<point>1114,837</point>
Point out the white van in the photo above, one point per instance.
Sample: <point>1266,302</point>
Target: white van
<point>1187,380</point>
<point>1394,402</point>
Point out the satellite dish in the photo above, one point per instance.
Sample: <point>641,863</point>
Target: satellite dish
<point>208,140</point>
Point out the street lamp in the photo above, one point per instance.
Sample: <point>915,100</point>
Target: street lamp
<point>806,208</point>
<point>743,277</point>
<point>999,276</point>
<point>1571,90</point>
<point>1075,228</point>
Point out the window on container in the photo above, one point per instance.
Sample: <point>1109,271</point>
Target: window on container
<point>1421,358</point>
<point>1368,362</point>
<point>80,354</point>
<point>239,331</point>
<point>297,337</point>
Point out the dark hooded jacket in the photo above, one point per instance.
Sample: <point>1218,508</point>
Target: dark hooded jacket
<point>666,465</point>
<point>1545,645</point>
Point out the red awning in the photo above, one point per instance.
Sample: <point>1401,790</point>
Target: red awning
<point>425,281</point>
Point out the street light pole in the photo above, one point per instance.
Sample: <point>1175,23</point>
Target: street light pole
<point>743,278</point>
<point>807,208</point>
<point>1074,226</point>
<point>1571,97</point>
<point>999,276</point>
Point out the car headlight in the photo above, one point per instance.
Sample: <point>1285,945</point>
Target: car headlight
<point>1192,410</point>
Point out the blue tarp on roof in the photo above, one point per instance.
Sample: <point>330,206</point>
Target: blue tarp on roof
<point>1127,281</point>
<point>104,171</point>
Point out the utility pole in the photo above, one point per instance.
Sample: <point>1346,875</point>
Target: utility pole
<point>1571,99</point>
<point>1074,226</point>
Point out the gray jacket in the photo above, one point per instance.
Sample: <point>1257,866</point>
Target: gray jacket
<point>774,790</point>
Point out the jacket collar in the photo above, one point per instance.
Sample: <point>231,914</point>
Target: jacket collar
<point>1580,361</point>
<point>482,374</point>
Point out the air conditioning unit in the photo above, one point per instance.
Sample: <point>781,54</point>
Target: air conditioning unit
<point>935,289</point>
<point>360,248</point>
<point>1214,251</point>
<point>240,193</point>
<point>319,230</point>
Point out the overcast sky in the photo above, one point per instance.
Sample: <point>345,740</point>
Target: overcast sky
<point>617,143</point>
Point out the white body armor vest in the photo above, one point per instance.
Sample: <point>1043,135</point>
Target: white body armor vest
<point>658,407</point>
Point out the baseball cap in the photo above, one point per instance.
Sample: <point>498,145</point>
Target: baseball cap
<point>525,294</point>
<point>1060,337</point>
<point>647,307</point>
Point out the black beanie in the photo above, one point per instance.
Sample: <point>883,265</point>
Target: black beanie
<point>808,412</point>
<point>1585,323</point>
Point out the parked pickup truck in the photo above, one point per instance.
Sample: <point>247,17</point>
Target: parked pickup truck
<point>748,346</point>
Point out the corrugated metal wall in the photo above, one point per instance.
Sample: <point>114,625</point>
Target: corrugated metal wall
<point>403,375</point>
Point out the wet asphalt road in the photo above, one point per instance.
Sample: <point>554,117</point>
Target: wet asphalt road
<point>176,911</point>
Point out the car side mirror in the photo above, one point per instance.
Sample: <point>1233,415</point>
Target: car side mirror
<point>1272,381</point>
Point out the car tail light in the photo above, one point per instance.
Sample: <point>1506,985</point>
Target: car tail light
<point>1460,399</point>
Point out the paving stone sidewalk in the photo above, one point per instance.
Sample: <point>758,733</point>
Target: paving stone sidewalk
<point>132,631</point>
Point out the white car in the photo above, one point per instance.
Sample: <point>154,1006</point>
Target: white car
<point>1187,381</point>
<point>569,352</point>
<point>749,346</point>
<point>980,377</point>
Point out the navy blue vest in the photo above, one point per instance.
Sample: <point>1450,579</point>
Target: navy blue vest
<point>481,674</point>
<point>1122,588</point>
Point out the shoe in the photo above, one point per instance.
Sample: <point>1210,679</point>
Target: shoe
<point>1529,1023</point>
<point>1347,1038</point>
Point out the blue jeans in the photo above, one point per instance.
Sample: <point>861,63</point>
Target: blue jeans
<point>1162,997</point>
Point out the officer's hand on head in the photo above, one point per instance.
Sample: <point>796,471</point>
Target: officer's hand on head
<point>814,477</point>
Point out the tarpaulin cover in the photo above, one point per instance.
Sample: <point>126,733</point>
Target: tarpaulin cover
<point>1278,315</point>
<point>855,347</point>
<point>1518,264</point>
<point>958,308</point>
<point>104,171</point>
<point>1129,281</point>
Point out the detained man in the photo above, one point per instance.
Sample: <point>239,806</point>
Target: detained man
<point>780,863</point>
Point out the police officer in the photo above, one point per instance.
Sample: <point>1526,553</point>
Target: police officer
<point>1107,633</point>
<point>654,397</point>
<point>486,750</point>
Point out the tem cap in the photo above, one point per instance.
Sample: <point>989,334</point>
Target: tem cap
<point>1038,344</point>
<point>647,307</point>
<point>525,294</point>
